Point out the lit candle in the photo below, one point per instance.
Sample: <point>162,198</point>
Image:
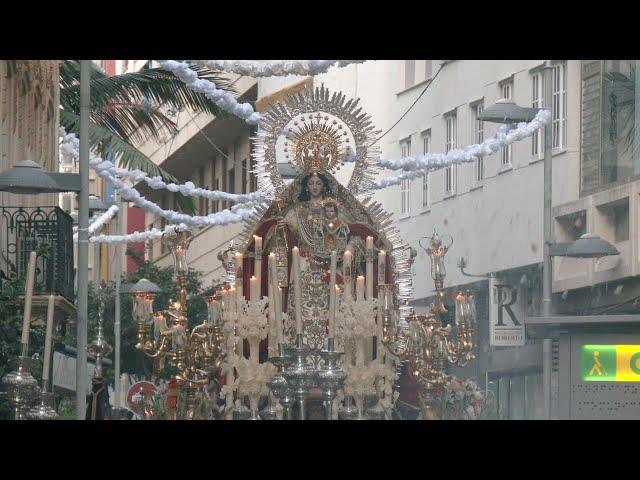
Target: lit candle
<point>254,288</point>
<point>382,267</point>
<point>296,289</point>
<point>369,270</point>
<point>360,288</point>
<point>346,270</point>
<point>257,270</point>
<point>369,243</point>
<point>332,293</point>
<point>47,342</point>
<point>31,273</point>
<point>238,259</point>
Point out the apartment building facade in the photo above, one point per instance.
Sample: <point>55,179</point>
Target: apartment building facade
<point>492,208</point>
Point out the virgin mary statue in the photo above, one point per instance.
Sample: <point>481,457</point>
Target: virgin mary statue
<point>318,215</point>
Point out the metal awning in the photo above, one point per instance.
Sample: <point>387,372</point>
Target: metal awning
<point>542,327</point>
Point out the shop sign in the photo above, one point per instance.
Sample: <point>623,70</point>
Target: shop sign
<point>610,363</point>
<point>506,328</point>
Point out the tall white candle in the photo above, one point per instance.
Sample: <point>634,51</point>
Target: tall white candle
<point>369,270</point>
<point>346,270</point>
<point>28,297</point>
<point>47,341</point>
<point>297,289</point>
<point>255,288</point>
<point>360,288</point>
<point>382,267</point>
<point>271,348</point>
<point>279,325</point>
<point>239,274</point>
<point>332,293</point>
<point>257,270</point>
<point>277,298</point>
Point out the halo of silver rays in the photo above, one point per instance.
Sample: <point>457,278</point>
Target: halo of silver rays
<point>271,184</point>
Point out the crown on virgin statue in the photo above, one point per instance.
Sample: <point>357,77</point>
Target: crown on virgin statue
<point>316,145</point>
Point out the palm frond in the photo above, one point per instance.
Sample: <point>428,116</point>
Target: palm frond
<point>126,155</point>
<point>159,86</point>
<point>134,123</point>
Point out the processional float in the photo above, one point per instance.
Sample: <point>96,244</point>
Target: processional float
<point>315,304</point>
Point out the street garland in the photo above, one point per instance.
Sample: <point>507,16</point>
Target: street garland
<point>240,212</point>
<point>100,221</point>
<point>417,166</point>
<point>156,182</point>
<point>275,68</point>
<point>221,98</point>
<point>134,237</point>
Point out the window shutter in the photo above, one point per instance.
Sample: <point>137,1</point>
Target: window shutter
<point>590,125</point>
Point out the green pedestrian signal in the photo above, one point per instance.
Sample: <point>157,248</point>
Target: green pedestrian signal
<point>598,363</point>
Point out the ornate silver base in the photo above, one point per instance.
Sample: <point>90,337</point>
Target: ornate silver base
<point>349,411</point>
<point>300,376</point>
<point>241,414</point>
<point>278,384</point>
<point>20,387</point>
<point>330,378</point>
<point>44,410</point>
<point>376,412</point>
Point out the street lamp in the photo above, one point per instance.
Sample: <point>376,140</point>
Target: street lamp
<point>506,111</point>
<point>28,178</point>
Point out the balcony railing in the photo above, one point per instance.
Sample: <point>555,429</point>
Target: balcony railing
<point>48,230</point>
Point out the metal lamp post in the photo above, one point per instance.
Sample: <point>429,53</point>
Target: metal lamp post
<point>83,242</point>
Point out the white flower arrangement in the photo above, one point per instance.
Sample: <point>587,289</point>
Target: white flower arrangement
<point>357,318</point>
<point>252,321</point>
<point>360,379</point>
<point>253,377</point>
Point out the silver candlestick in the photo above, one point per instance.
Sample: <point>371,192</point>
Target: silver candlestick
<point>20,387</point>
<point>330,378</point>
<point>374,409</point>
<point>350,411</point>
<point>99,348</point>
<point>300,375</point>
<point>278,384</point>
<point>44,410</point>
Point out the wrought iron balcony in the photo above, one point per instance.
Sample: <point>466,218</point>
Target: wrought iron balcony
<point>48,230</point>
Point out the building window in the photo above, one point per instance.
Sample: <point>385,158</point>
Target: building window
<point>450,143</point>
<point>216,203</point>
<point>426,148</point>
<point>428,69</point>
<point>478,137</point>
<point>609,135</point>
<point>409,73</point>
<point>537,101</point>
<point>559,105</point>
<point>506,91</point>
<point>405,186</point>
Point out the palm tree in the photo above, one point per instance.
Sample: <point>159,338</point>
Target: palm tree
<point>128,109</point>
